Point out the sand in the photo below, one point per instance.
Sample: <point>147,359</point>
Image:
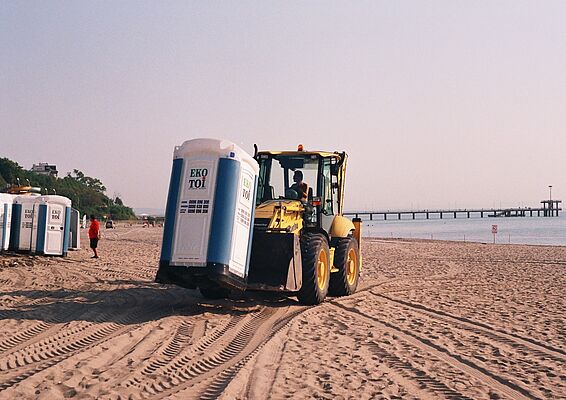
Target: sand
<point>430,320</point>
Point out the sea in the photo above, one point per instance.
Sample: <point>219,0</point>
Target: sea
<point>511,230</point>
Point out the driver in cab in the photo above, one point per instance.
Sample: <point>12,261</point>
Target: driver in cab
<point>299,186</point>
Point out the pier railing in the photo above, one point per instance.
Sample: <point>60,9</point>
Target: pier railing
<point>549,210</point>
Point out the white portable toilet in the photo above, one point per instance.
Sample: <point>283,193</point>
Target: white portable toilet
<point>22,222</point>
<point>209,214</point>
<point>75,230</point>
<point>51,225</point>
<point>6,201</point>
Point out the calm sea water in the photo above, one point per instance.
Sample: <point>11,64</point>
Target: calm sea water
<point>517,230</point>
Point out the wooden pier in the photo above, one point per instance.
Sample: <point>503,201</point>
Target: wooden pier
<point>550,208</point>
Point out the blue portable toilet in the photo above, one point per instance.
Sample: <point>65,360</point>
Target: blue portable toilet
<point>209,215</point>
<point>22,222</point>
<point>6,202</point>
<point>51,225</point>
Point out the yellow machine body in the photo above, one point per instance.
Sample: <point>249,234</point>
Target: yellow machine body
<point>282,223</point>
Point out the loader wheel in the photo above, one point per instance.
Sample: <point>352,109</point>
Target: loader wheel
<point>347,259</point>
<point>213,291</point>
<point>316,269</point>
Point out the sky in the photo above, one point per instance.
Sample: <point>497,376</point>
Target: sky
<point>439,104</point>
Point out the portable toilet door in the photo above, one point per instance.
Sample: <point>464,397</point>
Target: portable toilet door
<point>6,201</point>
<point>51,226</point>
<point>75,230</point>
<point>22,223</point>
<point>209,213</point>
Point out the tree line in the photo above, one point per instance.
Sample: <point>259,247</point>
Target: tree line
<point>86,193</point>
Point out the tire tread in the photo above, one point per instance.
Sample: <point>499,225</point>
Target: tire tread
<point>339,285</point>
<point>310,293</point>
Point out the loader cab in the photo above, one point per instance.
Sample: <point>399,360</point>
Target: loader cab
<point>322,172</point>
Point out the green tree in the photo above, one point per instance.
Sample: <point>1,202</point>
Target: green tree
<point>86,193</point>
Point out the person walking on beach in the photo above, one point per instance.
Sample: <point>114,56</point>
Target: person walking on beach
<point>94,234</point>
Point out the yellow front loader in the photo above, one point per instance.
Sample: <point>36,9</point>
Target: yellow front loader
<point>301,241</point>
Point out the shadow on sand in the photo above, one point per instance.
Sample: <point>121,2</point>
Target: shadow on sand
<point>133,305</point>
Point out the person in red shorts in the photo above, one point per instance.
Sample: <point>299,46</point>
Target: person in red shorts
<point>94,234</point>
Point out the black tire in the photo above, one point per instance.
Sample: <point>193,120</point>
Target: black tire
<point>314,247</point>
<point>213,291</point>
<point>344,282</point>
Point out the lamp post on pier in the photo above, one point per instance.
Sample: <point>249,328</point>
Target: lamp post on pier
<point>550,208</point>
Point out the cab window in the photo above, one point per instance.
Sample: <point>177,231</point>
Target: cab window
<point>276,175</point>
<point>327,198</point>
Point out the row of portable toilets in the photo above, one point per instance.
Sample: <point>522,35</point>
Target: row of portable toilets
<point>42,225</point>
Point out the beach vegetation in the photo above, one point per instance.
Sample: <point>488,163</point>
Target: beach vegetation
<point>87,193</point>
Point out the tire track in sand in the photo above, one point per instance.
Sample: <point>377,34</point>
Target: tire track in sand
<point>216,387</point>
<point>495,382</point>
<point>74,339</point>
<point>524,343</point>
<point>208,354</point>
<point>186,333</point>
<point>207,368</point>
<point>515,358</point>
<point>424,381</point>
<point>39,329</point>
<point>106,273</point>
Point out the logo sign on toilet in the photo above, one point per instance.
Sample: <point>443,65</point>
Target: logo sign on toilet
<point>56,215</point>
<point>246,188</point>
<point>197,178</point>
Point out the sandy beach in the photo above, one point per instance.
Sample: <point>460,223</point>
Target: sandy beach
<point>430,320</point>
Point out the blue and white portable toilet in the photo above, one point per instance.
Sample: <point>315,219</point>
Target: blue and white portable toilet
<point>51,225</point>
<point>209,215</point>
<point>22,223</point>
<point>6,201</point>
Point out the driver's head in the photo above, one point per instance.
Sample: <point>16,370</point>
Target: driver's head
<point>298,176</point>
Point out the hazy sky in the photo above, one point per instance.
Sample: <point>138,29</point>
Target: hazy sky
<point>438,103</point>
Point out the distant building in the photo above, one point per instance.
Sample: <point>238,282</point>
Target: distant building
<point>45,169</point>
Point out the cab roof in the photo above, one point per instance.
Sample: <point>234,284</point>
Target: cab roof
<point>300,153</point>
